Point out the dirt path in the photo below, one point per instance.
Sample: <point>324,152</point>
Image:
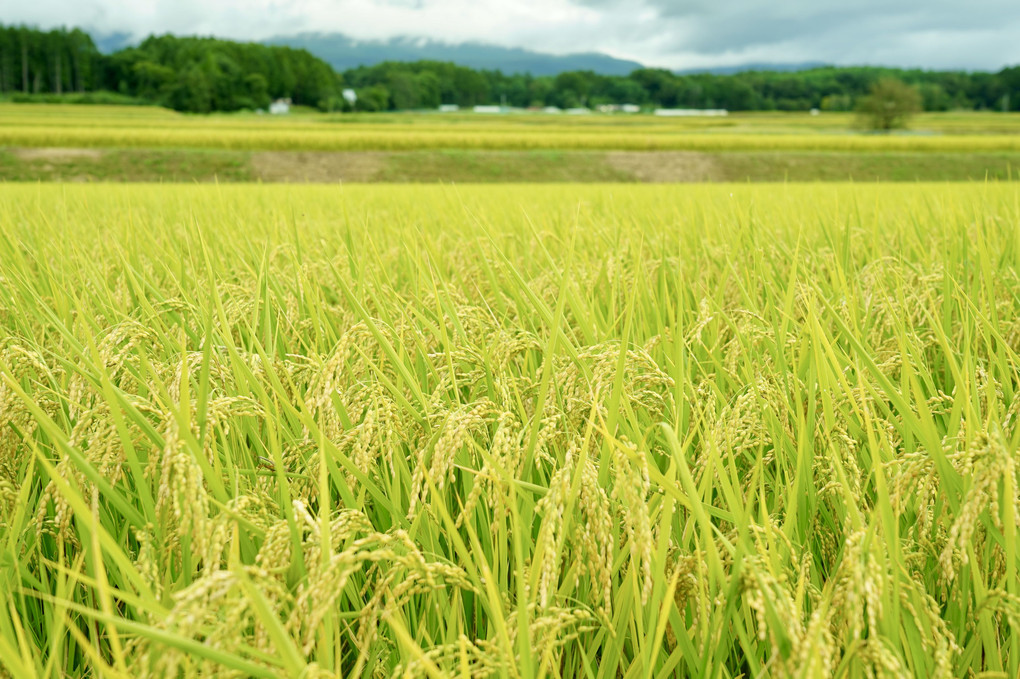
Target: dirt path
<point>366,166</point>
<point>666,166</point>
<point>317,166</point>
<point>57,155</point>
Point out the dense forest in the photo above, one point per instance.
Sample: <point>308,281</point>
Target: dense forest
<point>427,84</point>
<point>208,74</point>
<point>188,74</point>
<point>56,61</point>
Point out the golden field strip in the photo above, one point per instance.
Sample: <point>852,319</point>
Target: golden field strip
<point>517,431</point>
<point>127,127</point>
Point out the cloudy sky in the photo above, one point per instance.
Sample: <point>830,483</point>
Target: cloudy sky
<point>973,34</point>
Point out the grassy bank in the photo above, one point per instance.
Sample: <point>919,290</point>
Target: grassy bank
<point>183,165</point>
<point>118,165</point>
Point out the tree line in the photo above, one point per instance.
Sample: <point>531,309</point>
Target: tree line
<point>197,75</point>
<point>208,74</point>
<point>424,84</point>
<point>59,61</point>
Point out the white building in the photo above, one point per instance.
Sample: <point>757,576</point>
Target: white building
<point>280,107</point>
<point>619,108</point>
<point>448,108</point>
<point>685,112</point>
<point>487,109</point>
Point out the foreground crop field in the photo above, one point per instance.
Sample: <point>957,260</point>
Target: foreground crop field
<point>27,125</point>
<point>599,431</point>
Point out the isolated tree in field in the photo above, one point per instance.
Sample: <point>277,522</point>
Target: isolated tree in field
<point>889,105</point>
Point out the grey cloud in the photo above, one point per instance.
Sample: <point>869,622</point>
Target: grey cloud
<point>828,31</point>
<point>669,33</point>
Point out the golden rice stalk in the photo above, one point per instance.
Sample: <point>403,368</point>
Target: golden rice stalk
<point>590,542</point>
<point>631,486</point>
<point>437,464</point>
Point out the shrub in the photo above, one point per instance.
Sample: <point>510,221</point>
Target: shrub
<point>889,105</point>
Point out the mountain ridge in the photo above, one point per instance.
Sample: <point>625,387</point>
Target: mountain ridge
<point>343,53</point>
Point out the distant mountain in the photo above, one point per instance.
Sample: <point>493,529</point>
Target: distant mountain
<point>344,52</point>
<point>744,68</point>
<point>108,43</point>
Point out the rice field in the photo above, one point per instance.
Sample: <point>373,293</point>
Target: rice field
<point>24,125</point>
<point>517,431</point>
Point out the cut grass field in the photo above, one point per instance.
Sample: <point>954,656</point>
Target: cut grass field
<point>119,165</point>
<point>23,125</point>
<point>184,165</point>
<point>523,431</point>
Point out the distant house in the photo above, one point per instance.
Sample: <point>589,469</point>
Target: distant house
<point>487,109</point>
<point>684,112</point>
<point>280,107</point>
<point>578,111</point>
<point>448,108</point>
<point>350,96</point>
<point>552,109</point>
<point>619,108</point>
